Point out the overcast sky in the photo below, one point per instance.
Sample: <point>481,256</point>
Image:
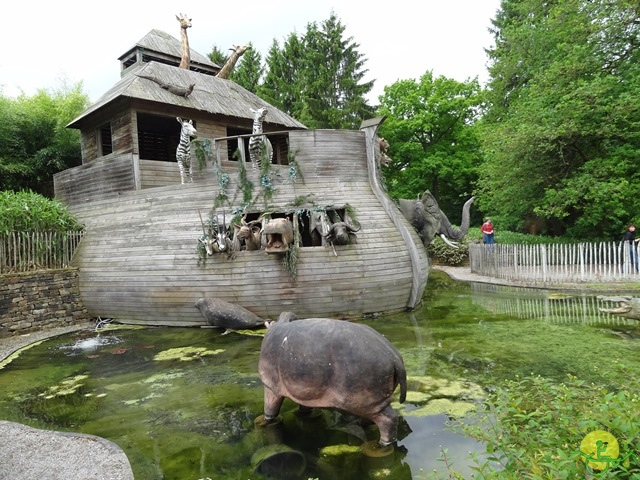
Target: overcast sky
<point>44,44</point>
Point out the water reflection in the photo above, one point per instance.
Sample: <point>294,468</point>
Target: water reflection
<point>182,402</point>
<point>549,305</point>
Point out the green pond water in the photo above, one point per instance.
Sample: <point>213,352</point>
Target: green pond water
<point>181,402</point>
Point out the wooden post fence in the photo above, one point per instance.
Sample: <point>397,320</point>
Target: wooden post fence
<point>26,251</point>
<point>556,263</point>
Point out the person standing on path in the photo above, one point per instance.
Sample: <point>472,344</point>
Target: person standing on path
<point>487,232</point>
<point>630,237</point>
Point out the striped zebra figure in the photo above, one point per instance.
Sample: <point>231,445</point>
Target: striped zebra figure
<point>183,152</point>
<point>260,147</point>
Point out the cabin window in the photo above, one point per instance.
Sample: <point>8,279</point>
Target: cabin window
<point>158,137</point>
<point>105,141</point>
<point>279,143</point>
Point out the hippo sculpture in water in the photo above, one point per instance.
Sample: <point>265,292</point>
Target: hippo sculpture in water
<point>327,363</point>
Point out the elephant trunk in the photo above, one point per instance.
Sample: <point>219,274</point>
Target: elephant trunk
<point>453,233</point>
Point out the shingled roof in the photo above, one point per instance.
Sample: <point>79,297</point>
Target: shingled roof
<point>211,95</point>
<point>163,46</point>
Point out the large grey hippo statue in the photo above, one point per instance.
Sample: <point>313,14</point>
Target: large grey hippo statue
<point>628,307</point>
<point>229,316</point>
<point>327,363</point>
<point>428,220</point>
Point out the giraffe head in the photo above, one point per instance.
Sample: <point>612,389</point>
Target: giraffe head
<point>185,22</point>
<point>240,49</point>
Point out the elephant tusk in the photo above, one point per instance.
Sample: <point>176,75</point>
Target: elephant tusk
<point>448,242</point>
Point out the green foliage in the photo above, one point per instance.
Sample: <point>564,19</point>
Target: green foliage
<point>443,254</point>
<point>562,136</point>
<point>34,140</point>
<point>30,212</point>
<point>317,77</point>
<point>533,427</point>
<point>432,137</point>
<point>217,56</point>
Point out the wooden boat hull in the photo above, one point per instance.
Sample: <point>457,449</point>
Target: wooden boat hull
<point>139,262</point>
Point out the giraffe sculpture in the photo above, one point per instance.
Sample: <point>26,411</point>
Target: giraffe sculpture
<point>260,147</point>
<point>185,22</point>
<point>183,152</point>
<point>238,51</point>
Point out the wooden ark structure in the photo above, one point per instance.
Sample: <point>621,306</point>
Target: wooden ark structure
<point>139,261</point>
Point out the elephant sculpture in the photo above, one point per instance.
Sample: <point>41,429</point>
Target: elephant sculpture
<point>328,363</point>
<point>428,220</point>
<point>628,307</point>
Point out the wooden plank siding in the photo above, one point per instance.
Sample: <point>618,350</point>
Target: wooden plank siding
<point>138,261</point>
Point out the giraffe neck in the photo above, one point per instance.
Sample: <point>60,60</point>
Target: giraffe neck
<point>186,54</point>
<point>228,66</point>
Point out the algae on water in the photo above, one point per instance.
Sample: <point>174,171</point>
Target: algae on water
<point>186,354</point>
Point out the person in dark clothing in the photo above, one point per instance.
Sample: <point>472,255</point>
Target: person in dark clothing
<point>630,237</point>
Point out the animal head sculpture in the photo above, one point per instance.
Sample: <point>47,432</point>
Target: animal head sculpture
<point>341,233</point>
<point>185,21</point>
<point>215,238</point>
<point>428,220</point>
<point>248,233</point>
<point>259,115</point>
<point>279,232</point>
<point>187,127</point>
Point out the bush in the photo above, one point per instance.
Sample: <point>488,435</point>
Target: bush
<point>533,428</point>
<point>443,254</point>
<point>26,211</point>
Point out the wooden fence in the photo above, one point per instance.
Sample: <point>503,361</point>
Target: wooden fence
<point>25,251</point>
<point>556,263</point>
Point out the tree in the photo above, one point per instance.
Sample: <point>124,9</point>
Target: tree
<point>432,136</point>
<point>283,82</point>
<point>317,78</point>
<point>333,91</point>
<point>561,136</point>
<point>217,56</point>
<point>34,140</point>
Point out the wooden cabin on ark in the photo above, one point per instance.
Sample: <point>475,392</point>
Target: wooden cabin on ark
<point>139,261</point>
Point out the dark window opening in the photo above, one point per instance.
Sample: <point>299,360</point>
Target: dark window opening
<point>280,144</point>
<point>158,137</point>
<point>106,142</point>
<point>232,144</point>
<point>307,237</point>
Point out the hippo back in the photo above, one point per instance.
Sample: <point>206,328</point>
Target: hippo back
<point>331,363</point>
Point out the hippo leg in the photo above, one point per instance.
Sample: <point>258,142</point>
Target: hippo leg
<point>272,404</point>
<point>387,422</point>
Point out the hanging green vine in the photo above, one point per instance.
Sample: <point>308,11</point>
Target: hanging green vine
<point>294,168</point>
<point>203,152</point>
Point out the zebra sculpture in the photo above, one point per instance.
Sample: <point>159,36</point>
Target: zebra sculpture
<point>183,152</point>
<point>260,147</point>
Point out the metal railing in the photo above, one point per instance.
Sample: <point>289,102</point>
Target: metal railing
<point>556,263</point>
<point>27,251</point>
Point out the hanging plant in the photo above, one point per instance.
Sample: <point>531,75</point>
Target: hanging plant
<point>203,152</point>
<point>294,168</point>
<point>245,185</point>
